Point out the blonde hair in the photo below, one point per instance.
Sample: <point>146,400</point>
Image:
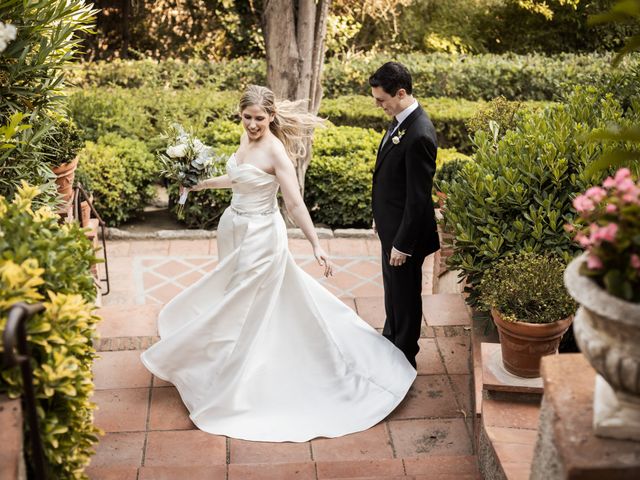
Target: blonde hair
<point>292,123</point>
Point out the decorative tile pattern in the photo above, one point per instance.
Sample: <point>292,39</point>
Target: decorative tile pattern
<point>159,279</point>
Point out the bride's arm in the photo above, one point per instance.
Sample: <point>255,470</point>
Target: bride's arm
<point>286,175</point>
<point>223,181</point>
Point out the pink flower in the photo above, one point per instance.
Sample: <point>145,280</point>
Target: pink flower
<point>635,261</point>
<point>609,182</point>
<point>596,193</point>
<point>627,185</point>
<point>583,240</point>
<point>608,233</point>
<point>611,208</point>
<point>622,174</point>
<point>594,262</point>
<point>583,204</point>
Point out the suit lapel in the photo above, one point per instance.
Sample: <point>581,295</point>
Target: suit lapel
<point>383,150</point>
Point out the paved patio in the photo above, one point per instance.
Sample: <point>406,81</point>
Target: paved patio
<point>148,432</point>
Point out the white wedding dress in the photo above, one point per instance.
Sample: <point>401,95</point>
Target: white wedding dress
<point>259,350</point>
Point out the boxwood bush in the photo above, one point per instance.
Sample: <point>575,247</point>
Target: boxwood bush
<point>474,77</point>
<point>146,113</point>
<point>120,172</point>
<point>42,261</point>
<point>517,193</point>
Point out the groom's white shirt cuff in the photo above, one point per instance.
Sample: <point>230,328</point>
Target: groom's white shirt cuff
<point>405,254</point>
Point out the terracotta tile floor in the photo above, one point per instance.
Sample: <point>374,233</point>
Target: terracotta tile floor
<point>148,431</point>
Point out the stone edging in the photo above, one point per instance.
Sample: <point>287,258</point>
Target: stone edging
<point>113,233</point>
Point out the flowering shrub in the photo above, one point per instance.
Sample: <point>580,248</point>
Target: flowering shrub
<point>609,230</point>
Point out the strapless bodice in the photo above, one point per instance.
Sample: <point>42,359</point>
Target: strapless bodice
<point>254,190</point>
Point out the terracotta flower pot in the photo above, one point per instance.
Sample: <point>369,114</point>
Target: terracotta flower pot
<point>523,344</point>
<point>65,174</point>
<point>607,330</point>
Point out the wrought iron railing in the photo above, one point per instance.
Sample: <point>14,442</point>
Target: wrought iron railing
<point>16,353</point>
<point>81,195</point>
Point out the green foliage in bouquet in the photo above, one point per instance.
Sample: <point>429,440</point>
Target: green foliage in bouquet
<point>42,261</point>
<point>120,172</point>
<point>527,287</point>
<point>517,193</point>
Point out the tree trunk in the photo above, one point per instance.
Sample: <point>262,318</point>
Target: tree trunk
<point>294,34</point>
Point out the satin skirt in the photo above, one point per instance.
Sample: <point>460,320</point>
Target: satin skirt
<point>259,350</point>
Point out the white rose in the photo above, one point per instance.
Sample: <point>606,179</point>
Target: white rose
<point>198,146</point>
<point>3,45</point>
<point>177,151</point>
<point>10,32</point>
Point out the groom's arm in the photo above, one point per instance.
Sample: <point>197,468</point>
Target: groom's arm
<point>420,166</point>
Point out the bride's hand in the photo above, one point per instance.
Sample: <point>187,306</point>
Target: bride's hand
<point>184,189</point>
<point>323,260</point>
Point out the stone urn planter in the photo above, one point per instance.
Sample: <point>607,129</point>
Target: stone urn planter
<point>607,329</point>
<point>65,175</point>
<point>524,344</point>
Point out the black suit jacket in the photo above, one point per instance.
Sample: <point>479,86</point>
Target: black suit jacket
<point>402,182</point>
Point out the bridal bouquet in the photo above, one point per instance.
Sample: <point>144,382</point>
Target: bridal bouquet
<point>187,161</point>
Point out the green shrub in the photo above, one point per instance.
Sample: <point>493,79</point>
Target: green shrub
<point>234,74</point>
<point>146,113</point>
<point>120,173</point>
<point>499,110</point>
<point>42,261</point>
<point>449,169</point>
<point>338,182</point>
<point>474,77</point>
<point>527,287</point>
<point>517,193</point>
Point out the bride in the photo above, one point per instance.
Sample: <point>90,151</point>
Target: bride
<point>257,349</point>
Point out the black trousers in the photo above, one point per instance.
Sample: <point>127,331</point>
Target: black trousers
<point>403,303</point>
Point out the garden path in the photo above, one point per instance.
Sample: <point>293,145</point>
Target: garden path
<point>148,434</point>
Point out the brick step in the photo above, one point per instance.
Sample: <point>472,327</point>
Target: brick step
<point>422,468</point>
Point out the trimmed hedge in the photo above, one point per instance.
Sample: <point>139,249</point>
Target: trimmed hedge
<point>449,116</point>
<point>120,173</point>
<point>474,77</point>
<point>146,113</point>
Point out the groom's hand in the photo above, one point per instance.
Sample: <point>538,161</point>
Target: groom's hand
<point>397,259</point>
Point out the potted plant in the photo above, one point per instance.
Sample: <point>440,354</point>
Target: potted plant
<point>605,281</point>
<point>60,146</point>
<point>530,307</point>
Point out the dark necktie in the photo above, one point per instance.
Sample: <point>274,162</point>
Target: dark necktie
<point>392,127</point>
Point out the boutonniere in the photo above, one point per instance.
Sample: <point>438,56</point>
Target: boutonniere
<point>396,139</point>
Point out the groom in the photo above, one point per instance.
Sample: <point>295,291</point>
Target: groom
<point>401,200</point>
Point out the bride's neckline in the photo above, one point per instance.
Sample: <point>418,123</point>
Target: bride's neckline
<point>235,159</point>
